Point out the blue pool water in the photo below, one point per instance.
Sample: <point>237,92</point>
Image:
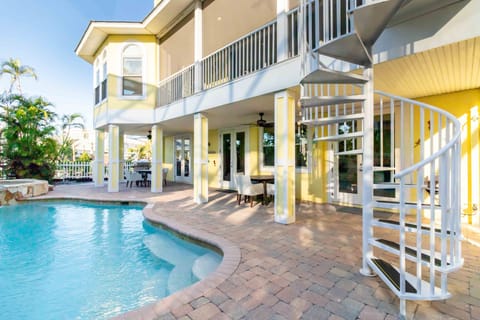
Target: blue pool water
<point>76,260</point>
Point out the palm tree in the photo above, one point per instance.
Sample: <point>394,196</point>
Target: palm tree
<point>14,68</point>
<point>74,120</point>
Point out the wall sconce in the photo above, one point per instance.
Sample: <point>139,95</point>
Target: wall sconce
<point>149,135</point>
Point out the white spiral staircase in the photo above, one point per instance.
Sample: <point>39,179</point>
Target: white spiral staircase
<point>413,252</point>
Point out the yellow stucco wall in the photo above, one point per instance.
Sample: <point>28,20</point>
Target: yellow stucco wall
<point>465,106</point>
<point>168,149</point>
<point>113,47</point>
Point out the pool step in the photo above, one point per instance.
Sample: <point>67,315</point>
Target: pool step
<point>206,264</point>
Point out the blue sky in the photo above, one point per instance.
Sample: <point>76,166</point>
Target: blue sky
<point>44,34</point>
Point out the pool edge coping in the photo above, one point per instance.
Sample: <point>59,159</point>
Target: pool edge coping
<point>230,261</point>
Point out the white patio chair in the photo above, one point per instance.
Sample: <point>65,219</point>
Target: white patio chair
<point>246,188</point>
<point>164,174</point>
<point>133,177</point>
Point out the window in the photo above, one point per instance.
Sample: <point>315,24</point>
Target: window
<point>132,82</point>
<point>97,86</point>
<point>300,146</point>
<point>104,82</point>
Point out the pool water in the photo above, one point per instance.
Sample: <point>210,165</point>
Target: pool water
<point>77,260</point>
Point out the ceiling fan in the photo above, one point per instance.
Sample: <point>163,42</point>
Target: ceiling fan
<point>263,123</point>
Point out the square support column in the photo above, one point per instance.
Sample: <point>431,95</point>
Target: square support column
<point>121,157</point>
<point>113,158</point>
<point>284,157</point>
<point>200,157</point>
<point>157,159</point>
<point>198,44</point>
<point>99,162</point>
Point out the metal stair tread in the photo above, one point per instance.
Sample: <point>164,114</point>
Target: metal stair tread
<point>371,19</point>
<point>323,75</point>
<point>340,137</point>
<point>396,205</point>
<point>307,102</point>
<point>392,275</point>
<point>388,273</point>
<point>411,226</point>
<point>333,120</point>
<point>410,251</point>
<point>348,47</point>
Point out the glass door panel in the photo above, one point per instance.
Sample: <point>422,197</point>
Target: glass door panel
<point>182,159</point>
<point>226,154</point>
<point>240,152</point>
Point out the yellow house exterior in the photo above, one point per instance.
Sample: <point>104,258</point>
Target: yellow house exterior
<point>178,37</point>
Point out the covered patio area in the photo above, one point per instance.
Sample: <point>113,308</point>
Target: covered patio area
<point>308,270</point>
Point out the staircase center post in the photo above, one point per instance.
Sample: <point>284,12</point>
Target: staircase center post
<point>367,172</point>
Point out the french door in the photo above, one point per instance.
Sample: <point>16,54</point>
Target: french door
<point>232,152</point>
<point>183,163</point>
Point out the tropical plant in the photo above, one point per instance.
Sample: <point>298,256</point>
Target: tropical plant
<point>30,149</point>
<point>85,157</point>
<point>16,70</point>
<point>69,121</point>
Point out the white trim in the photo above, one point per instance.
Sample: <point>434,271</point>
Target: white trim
<point>143,96</point>
<point>182,178</point>
<point>233,131</point>
<point>271,169</point>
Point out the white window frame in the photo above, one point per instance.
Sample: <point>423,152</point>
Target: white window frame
<point>98,68</point>
<point>271,169</point>
<point>144,68</point>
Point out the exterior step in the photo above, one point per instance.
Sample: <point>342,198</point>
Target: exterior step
<point>349,48</point>
<point>371,19</point>
<point>332,120</point>
<point>396,205</point>
<point>409,227</point>
<point>391,276</point>
<point>306,102</point>
<point>340,137</point>
<point>410,252</point>
<point>323,75</point>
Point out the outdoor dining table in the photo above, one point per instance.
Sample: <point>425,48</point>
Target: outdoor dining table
<point>144,173</point>
<point>266,178</point>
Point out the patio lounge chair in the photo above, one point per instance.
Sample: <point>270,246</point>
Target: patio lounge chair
<point>246,188</point>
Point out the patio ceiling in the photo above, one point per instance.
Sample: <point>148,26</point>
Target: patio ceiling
<point>446,69</point>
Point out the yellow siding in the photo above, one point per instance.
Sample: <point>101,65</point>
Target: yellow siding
<point>114,46</point>
<point>464,105</point>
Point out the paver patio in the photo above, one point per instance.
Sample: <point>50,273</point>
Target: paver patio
<point>305,270</point>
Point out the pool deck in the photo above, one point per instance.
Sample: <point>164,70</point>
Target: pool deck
<point>307,270</point>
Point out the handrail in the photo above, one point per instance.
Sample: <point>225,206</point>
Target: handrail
<point>170,77</point>
<point>436,154</point>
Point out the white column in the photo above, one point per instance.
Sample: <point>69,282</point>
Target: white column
<point>200,158</point>
<point>121,156</point>
<point>282,30</point>
<point>98,162</point>
<point>113,158</point>
<point>367,171</point>
<point>284,157</point>
<point>198,44</point>
<point>157,159</point>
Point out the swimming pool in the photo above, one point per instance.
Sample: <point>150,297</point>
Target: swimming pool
<point>79,260</point>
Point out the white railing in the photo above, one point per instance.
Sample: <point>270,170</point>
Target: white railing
<point>177,86</point>
<point>79,170</point>
<point>255,51</point>
<point>325,20</point>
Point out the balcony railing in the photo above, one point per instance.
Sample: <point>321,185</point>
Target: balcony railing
<point>251,53</point>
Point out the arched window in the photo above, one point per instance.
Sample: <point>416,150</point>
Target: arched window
<point>132,84</point>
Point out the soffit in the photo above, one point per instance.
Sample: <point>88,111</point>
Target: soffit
<point>450,68</point>
<point>163,16</point>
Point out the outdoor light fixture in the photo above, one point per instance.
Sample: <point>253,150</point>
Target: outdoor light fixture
<point>149,135</point>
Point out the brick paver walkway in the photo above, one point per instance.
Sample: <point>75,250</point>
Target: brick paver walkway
<point>305,270</point>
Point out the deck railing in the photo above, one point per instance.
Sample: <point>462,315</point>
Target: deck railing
<point>253,52</point>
